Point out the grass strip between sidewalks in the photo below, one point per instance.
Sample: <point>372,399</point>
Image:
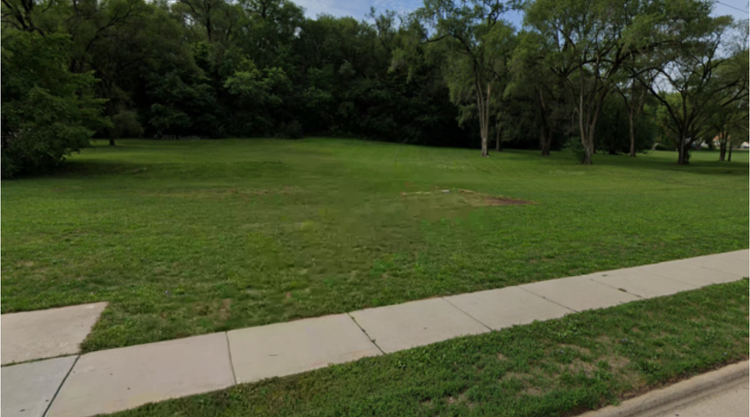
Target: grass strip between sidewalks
<point>558,367</point>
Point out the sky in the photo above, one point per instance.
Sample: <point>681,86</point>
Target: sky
<point>359,8</point>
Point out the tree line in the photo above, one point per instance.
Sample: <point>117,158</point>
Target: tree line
<point>614,76</point>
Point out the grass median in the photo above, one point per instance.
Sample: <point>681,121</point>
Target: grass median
<point>554,368</point>
<point>187,238</point>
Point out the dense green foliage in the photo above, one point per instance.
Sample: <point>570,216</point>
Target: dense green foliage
<point>449,73</point>
<point>47,111</point>
<point>185,238</point>
<point>555,368</point>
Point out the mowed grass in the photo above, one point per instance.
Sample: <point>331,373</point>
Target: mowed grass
<point>554,368</point>
<point>185,238</point>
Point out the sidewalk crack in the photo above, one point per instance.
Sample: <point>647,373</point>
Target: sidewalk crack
<point>365,332</point>
<point>46,410</point>
<point>231,362</point>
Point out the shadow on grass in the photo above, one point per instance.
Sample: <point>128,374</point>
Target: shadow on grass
<point>711,167</point>
<point>99,168</point>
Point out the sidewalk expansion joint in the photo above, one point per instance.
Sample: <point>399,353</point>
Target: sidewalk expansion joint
<point>469,315</point>
<point>231,362</point>
<point>57,391</point>
<point>365,332</point>
<point>545,298</point>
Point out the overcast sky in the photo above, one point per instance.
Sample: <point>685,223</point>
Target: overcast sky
<point>359,8</point>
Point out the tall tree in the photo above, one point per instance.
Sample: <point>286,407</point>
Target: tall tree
<point>532,77</point>
<point>633,96</point>
<point>728,114</point>
<point>687,85</point>
<point>588,42</point>
<point>473,43</point>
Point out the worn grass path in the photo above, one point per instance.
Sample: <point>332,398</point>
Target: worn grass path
<point>186,238</point>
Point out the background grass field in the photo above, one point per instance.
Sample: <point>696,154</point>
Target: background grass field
<point>186,238</point>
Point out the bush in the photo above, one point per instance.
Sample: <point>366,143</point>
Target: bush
<point>575,147</point>
<point>126,125</point>
<point>47,112</point>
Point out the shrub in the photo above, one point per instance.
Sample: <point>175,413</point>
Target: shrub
<point>575,147</point>
<point>48,112</point>
<point>126,124</point>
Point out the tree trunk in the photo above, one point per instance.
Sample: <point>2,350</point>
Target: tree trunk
<point>682,149</point>
<point>729,157</point>
<point>722,151</point>
<point>485,151</point>
<point>545,135</point>
<point>485,121</point>
<point>587,157</point>
<point>498,147</point>
<point>546,148</point>
<point>482,107</point>
<point>587,131</point>
<point>111,115</point>
<point>545,140</point>
<point>632,133</point>
<point>588,143</point>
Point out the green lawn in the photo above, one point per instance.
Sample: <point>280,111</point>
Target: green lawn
<point>553,368</point>
<point>185,238</point>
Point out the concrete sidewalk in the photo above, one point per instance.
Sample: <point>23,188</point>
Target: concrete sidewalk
<point>118,379</point>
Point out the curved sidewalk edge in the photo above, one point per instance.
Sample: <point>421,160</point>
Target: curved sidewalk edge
<point>659,401</point>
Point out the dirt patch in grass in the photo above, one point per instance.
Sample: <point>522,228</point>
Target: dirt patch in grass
<point>478,199</point>
<point>532,391</point>
<point>460,400</point>
<point>225,309</point>
<point>468,197</point>
<point>580,366</point>
<point>519,376</point>
<point>617,362</point>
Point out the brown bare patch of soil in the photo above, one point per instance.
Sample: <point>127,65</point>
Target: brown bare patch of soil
<point>516,375</point>
<point>532,391</point>
<point>581,366</point>
<point>617,362</point>
<point>461,399</point>
<point>479,199</point>
<point>471,198</point>
<point>224,311</point>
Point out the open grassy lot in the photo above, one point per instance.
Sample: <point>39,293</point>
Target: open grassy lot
<point>552,368</point>
<point>185,238</point>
